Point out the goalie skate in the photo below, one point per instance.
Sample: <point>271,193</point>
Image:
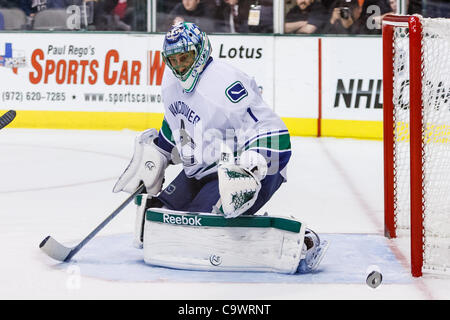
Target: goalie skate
<point>313,251</point>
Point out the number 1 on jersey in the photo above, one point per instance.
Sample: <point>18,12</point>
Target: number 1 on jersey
<point>251,114</point>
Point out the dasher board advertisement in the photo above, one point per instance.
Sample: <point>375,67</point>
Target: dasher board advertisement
<point>107,72</point>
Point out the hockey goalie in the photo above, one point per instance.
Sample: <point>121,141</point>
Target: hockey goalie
<point>234,152</point>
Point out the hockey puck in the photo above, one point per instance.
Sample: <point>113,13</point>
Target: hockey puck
<point>374,279</point>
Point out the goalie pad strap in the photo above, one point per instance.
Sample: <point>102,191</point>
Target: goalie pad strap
<point>183,240</point>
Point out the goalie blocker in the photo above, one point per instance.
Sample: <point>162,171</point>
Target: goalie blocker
<point>211,242</point>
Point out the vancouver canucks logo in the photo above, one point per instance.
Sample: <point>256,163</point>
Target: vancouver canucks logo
<point>236,92</point>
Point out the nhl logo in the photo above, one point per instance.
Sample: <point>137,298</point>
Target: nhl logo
<point>215,260</point>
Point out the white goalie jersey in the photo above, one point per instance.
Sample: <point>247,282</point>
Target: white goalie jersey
<point>225,107</point>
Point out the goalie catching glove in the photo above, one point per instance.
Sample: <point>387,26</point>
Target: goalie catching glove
<point>147,165</point>
<point>239,184</point>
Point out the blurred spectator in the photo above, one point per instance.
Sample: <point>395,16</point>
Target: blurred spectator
<point>372,13</point>
<point>195,11</point>
<point>328,4</point>
<point>123,15</point>
<point>101,16</point>
<point>391,8</point>
<point>232,16</point>
<point>163,8</point>
<point>436,8</point>
<point>415,6</point>
<point>261,16</point>
<point>244,16</point>
<point>112,15</point>
<point>57,4</point>
<point>345,18</point>
<point>31,7</point>
<point>308,16</point>
<point>166,6</point>
<point>430,8</point>
<point>393,5</point>
<point>10,3</point>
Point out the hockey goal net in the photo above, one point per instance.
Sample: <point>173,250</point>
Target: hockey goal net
<point>416,116</point>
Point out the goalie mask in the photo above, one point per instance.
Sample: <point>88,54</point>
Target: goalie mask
<point>186,51</point>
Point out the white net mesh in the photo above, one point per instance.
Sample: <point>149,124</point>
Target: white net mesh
<point>401,121</point>
<point>436,139</point>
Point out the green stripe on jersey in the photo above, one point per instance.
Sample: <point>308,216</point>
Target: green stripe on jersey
<point>167,133</point>
<point>278,143</point>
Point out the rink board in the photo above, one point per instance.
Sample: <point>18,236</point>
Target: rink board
<point>320,86</point>
<point>114,258</point>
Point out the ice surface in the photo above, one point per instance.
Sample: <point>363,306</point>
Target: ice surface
<point>114,258</point>
<point>59,182</point>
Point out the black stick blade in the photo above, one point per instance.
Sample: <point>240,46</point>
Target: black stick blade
<point>7,118</point>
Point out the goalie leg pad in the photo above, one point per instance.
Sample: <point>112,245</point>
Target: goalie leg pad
<point>210,242</point>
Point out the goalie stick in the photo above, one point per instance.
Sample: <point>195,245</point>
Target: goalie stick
<point>62,253</point>
<point>7,118</point>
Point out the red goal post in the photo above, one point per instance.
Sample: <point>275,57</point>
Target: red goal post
<point>416,122</point>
